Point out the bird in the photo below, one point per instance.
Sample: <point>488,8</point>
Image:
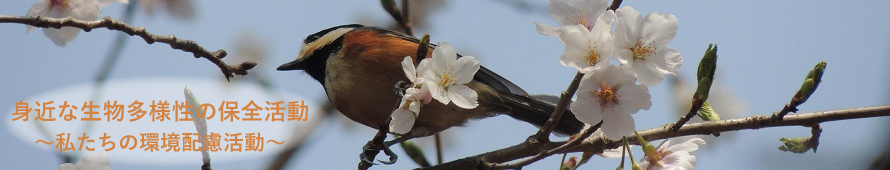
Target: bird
<point>359,66</point>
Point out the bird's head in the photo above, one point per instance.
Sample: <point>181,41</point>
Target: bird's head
<point>316,50</point>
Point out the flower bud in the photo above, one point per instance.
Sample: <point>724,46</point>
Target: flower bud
<point>636,167</point>
<point>570,164</point>
<point>706,69</point>
<point>650,150</point>
<point>811,82</point>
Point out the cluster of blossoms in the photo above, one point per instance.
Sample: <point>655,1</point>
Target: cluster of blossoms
<point>608,92</point>
<point>87,10</point>
<point>442,77</point>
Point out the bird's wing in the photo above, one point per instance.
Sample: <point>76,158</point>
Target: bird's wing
<point>484,75</point>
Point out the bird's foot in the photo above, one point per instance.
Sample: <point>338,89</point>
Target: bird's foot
<point>372,148</point>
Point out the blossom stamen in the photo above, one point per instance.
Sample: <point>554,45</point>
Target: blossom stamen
<point>641,51</point>
<point>447,78</point>
<point>606,95</point>
<point>593,57</point>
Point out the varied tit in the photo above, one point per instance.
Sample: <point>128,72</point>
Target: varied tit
<point>359,67</point>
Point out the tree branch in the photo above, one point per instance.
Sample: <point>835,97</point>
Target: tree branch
<point>599,144</point>
<point>544,133</point>
<point>185,45</point>
<point>547,153</point>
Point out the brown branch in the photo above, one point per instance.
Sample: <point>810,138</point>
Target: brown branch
<point>406,16</point>
<point>438,139</point>
<point>615,4</point>
<point>401,17</point>
<point>696,105</point>
<point>547,153</point>
<point>599,144</point>
<point>790,107</point>
<point>543,134</point>
<point>185,45</point>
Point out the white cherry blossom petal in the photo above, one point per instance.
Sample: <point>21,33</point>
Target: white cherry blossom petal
<point>634,98</point>
<point>424,95</point>
<point>617,125</point>
<point>547,30</point>
<point>423,66</point>
<point>659,29</point>
<point>437,92</point>
<point>402,121</point>
<point>463,96</point>
<point>626,30</point>
<point>586,111</point>
<point>592,10</point>
<point>688,146</point>
<point>608,17</point>
<point>465,68</point>
<point>443,56</point>
<point>670,63</point>
<point>645,74</point>
<point>576,36</point>
<point>563,10</point>
<point>408,68</point>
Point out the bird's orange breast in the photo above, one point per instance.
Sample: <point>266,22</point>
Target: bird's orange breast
<point>361,82</point>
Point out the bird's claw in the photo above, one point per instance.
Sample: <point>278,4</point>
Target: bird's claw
<point>392,156</point>
<point>364,158</point>
<point>366,155</point>
<point>400,88</point>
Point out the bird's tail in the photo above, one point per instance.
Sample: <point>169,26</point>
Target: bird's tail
<point>536,109</point>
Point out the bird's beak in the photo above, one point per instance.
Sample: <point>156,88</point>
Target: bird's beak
<point>293,65</point>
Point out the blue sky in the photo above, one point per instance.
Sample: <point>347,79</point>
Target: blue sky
<point>766,48</point>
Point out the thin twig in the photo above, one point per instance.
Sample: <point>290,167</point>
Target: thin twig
<point>439,157</point>
<point>547,153</point>
<point>696,105</point>
<point>400,16</point>
<point>599,144</point>
<point>790,107</point>
<point>615,4</point>
<point>406,15</point>
<point>185,45</point>
<point>542,136</point>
